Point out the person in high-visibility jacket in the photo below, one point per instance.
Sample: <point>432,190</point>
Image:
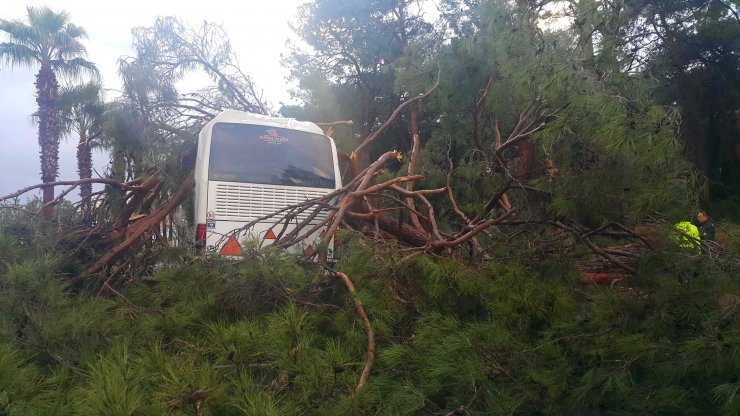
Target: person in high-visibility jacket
<point>686,235</point>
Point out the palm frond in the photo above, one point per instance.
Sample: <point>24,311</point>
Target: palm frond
<point>81,108</point>
<point>74,68</point>
<point>85,93</point>
<point>46,20</point>
<point>16,54</point>
<point>20,33</point>
<point>75,32</point>
<point>48,36</point>
<point>66,46</point>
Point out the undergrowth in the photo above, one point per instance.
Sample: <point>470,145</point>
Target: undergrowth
<point>266,336</point>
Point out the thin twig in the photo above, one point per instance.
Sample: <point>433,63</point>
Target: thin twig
<point>117,293</point>
<point>566,337</point>
<point>370,357</point>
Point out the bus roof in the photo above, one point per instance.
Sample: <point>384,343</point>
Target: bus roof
<point>242,117</point>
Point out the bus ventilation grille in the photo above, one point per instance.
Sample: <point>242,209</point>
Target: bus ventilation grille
<point>240,202</point>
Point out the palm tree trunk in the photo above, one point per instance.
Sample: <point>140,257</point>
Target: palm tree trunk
<point>84,168</point>
<point>47,95</point>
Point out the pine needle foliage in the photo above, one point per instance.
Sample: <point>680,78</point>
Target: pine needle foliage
<point>266,336</point>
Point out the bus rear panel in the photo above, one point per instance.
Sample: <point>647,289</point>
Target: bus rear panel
<point>250,166</point>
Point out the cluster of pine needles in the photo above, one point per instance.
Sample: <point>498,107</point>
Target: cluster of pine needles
<point>268,336</point>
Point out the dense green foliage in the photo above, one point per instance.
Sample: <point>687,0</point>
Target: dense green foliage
<point>264,336</point>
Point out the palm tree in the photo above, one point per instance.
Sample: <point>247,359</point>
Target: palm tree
<point>49,40</point>
<point>82,110</point>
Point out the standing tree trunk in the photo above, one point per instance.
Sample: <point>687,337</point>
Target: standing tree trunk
<point>47,95</point>
<point>84,168</point>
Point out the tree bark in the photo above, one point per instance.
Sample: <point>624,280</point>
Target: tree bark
<point>47,97</point>
<point>526,160</point>
<point>84,168</point>
<point>403,232</point>
<point>135,232</point>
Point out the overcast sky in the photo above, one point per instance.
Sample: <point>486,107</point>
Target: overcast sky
<point>258,31</point>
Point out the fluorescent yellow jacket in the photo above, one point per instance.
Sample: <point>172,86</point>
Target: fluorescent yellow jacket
<point>686,235</point>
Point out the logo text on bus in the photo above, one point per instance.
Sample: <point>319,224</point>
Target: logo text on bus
<point>273,137</point>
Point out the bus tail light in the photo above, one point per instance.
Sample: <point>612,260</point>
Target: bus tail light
<point>200,232</point>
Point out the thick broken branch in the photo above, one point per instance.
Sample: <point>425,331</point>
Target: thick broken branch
<point>335,123</point>
<point>139,229</point>
<point>347,203</point>
<point>384,185</point>
<point>122,186</point>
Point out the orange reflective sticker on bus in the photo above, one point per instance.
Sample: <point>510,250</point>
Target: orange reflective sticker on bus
<point>231,248</point>
<point>270,235</point>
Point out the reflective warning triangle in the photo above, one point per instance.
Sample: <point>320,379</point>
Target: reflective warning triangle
<point>270,235</point>
<point>231,248</point>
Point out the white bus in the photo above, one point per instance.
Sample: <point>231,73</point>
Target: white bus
<point>249,166</point>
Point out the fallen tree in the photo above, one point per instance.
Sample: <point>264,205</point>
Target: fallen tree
<point>129,214</point>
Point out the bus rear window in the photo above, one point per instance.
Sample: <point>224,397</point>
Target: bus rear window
<point>270,155</point>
